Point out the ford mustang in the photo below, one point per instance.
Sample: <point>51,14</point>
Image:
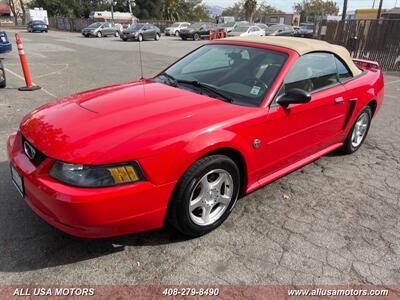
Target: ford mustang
<point>224,120</point>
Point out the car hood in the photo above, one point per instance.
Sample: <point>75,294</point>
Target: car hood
<point>235,33</point>
<point>130,31</point>
<point>93,126</point>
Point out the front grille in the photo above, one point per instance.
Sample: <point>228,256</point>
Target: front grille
<point>39,156</point>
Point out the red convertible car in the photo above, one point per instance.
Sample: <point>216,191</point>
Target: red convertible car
<point>226,119</point>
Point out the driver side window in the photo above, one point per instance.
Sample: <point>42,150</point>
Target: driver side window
<point>312,72</point>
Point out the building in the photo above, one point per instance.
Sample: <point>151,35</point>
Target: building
<point>5,10</point>
<point>366,14</point>
<point>391,14</point>
<point>287,19</point>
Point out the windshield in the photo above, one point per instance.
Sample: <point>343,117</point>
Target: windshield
<point>95,25</point>
<point>242,28</point>
<point>175,25</point>
<point>310,27</point>
<point>196,25</point>
<point>135,26</point>
<point>222,68</point>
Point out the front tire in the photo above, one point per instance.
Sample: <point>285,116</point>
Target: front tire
<point>99,34</point>
<point>140,38</point>
<point>358,132</point>
<point>116,34</point>
<point>205,195</point>
<point>177,33</point>
<point>157,37</point>
<point>196,37</point>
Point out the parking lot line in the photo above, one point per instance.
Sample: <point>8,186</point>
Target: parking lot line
<point>392,82</point>
<point>23,79</point>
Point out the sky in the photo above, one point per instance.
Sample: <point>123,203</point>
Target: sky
<point>286,5</point>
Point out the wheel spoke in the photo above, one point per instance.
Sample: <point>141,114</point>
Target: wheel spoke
<point>205,185</point>
<point>217,184</point>
<point>196,203</point>
<point>205,216</point>
<point>224,199</point>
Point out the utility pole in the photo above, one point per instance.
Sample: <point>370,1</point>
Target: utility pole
<point>113,3</point>
<point>131,4</point>
<point>380,9</point>
<point>344,10</point>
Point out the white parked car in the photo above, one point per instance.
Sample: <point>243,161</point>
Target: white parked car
<point>175,28</point>
<point>247,30</point>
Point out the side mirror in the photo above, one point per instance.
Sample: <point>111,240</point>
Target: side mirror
<point>294,96</point>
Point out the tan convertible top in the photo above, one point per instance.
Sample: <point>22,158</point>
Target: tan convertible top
<point>302,46</point>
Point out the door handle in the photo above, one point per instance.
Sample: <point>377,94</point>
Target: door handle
<point>339,100</point>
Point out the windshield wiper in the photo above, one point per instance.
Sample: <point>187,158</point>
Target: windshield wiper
<point>170,78</point>
<point>206,87</point>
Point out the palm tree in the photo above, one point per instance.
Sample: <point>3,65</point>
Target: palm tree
<point>250,7</point>
<point>171,10</point>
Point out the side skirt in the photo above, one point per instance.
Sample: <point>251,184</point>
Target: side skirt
<point>274,176</point>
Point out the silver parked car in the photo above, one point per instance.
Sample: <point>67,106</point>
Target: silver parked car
<point>175,28</point>
<point>100,29</point>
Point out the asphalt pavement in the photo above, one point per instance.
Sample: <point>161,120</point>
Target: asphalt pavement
<point>335,221</point>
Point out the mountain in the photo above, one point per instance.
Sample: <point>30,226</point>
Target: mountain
<point>215,10</point>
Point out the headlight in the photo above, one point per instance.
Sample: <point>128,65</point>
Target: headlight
<point>96,176</point>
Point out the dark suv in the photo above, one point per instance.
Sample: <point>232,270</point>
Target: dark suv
<point>197,31</point>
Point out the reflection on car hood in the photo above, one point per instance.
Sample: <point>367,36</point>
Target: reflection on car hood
<point>130,31</point>
<point>138,115</point>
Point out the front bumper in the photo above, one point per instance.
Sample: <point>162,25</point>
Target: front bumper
<point>4,48</point>
<point>40,29</point>
<point>186,35</point>
<point>129,36</point>
<point>89,212</point>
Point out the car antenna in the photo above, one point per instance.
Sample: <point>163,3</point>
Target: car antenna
<point>141,61</point>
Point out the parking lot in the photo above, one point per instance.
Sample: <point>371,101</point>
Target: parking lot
<point>335,221</point>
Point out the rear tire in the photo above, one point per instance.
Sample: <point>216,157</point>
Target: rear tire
<point>358,132</point>
<point>205,195</point>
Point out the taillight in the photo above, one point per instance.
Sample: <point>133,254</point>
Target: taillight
<point>367,64</point>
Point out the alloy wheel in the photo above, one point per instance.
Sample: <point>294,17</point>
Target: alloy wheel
<point>211,197</point>
<point>359,130</point>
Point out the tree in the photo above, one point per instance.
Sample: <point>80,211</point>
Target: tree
<point>313,8</point>
<point>250,8</point>
<point>193,10</point>
<point>265,8</point>
<point>171,10</point>
<point>22,6</point>
<point>236,10</point>
<point>14,10</point>
<point>148,9</point>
